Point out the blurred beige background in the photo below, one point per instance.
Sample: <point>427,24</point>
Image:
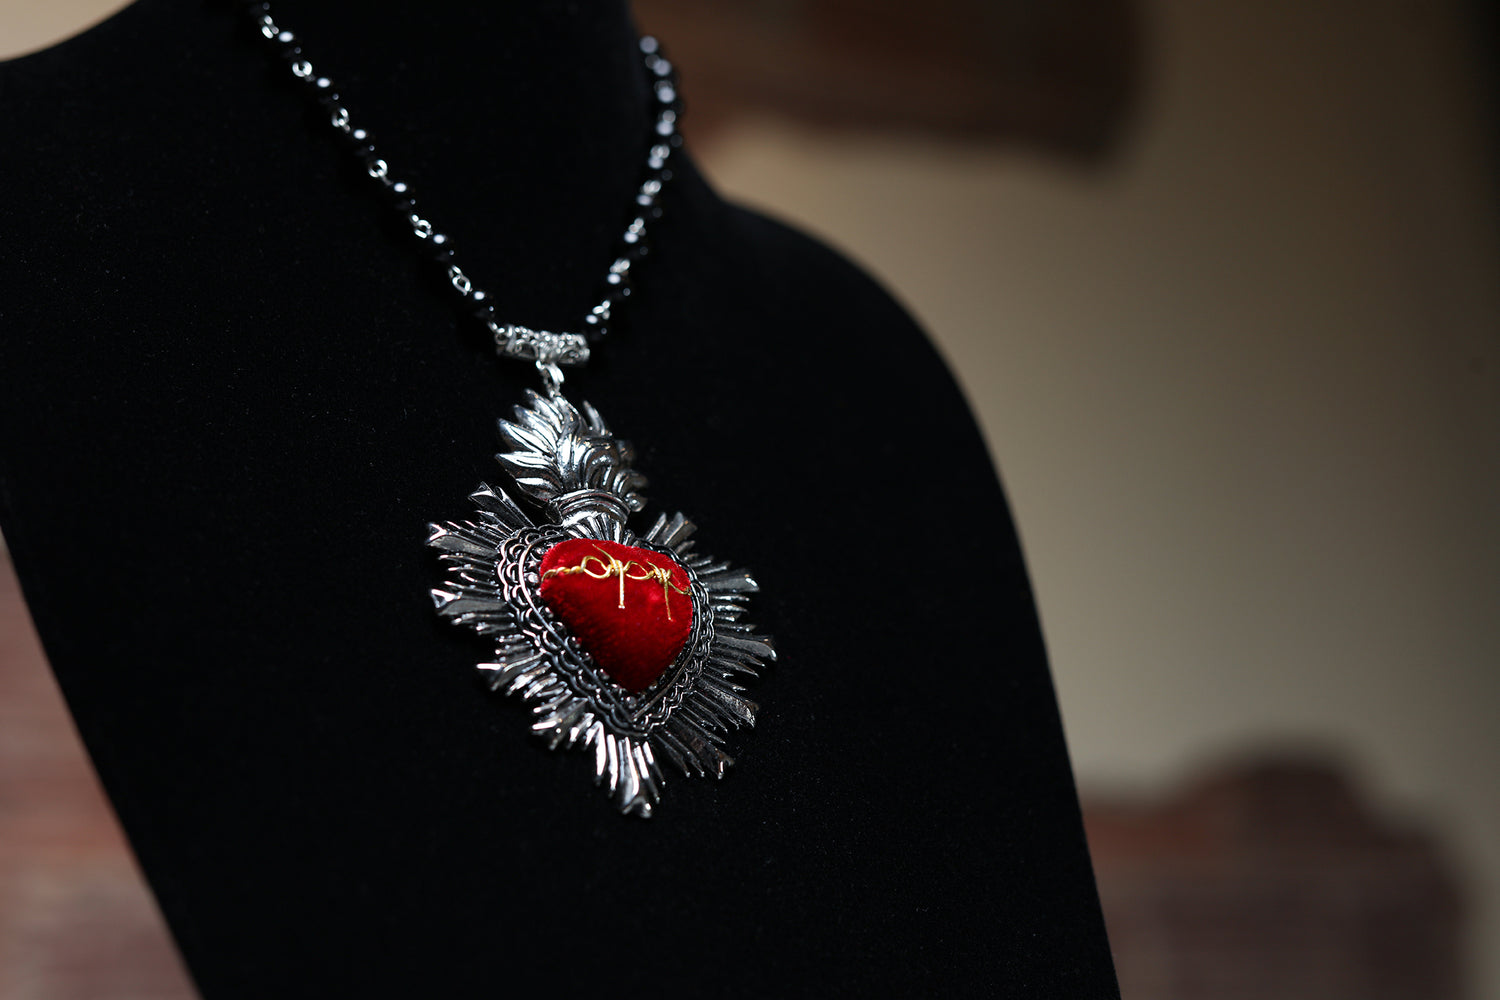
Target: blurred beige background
<point>1242,380</point>
<point>1243,386</point>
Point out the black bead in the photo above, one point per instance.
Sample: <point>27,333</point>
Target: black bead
<point>440,248</point>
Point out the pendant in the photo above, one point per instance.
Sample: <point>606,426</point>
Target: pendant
<point>629,646</point>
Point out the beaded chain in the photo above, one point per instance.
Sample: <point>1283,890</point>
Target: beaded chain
<point>547,349</point>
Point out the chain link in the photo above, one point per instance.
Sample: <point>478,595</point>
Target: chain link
<point>548,350</point>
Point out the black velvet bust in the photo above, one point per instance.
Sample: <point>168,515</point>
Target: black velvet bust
<point>231,399</point>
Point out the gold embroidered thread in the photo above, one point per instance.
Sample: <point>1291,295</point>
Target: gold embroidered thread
<point>610,567</point>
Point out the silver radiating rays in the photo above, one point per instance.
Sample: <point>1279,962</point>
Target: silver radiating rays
<point>567,461</point>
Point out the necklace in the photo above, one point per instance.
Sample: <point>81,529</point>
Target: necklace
<point>623,644</point>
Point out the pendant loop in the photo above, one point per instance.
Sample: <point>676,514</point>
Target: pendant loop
<point>552,377</point>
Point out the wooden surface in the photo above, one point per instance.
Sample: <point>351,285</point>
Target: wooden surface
<point>1274,879</point>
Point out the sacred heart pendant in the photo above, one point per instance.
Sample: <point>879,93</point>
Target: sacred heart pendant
<point>629,646</point>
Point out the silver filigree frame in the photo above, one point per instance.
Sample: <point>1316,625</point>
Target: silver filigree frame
<point>567,461</point>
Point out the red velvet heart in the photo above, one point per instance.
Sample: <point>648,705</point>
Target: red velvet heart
<point>630,608</point>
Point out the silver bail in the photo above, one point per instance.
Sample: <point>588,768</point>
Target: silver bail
<point>552,377</point>
<point>521,342</point>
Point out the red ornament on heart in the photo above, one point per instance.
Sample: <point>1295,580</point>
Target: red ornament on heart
<point>630,608</point>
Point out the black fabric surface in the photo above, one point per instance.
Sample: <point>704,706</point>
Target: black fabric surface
<point>230,401</point>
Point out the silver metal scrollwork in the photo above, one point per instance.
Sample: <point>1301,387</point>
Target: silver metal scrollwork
<point>521,342</point>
